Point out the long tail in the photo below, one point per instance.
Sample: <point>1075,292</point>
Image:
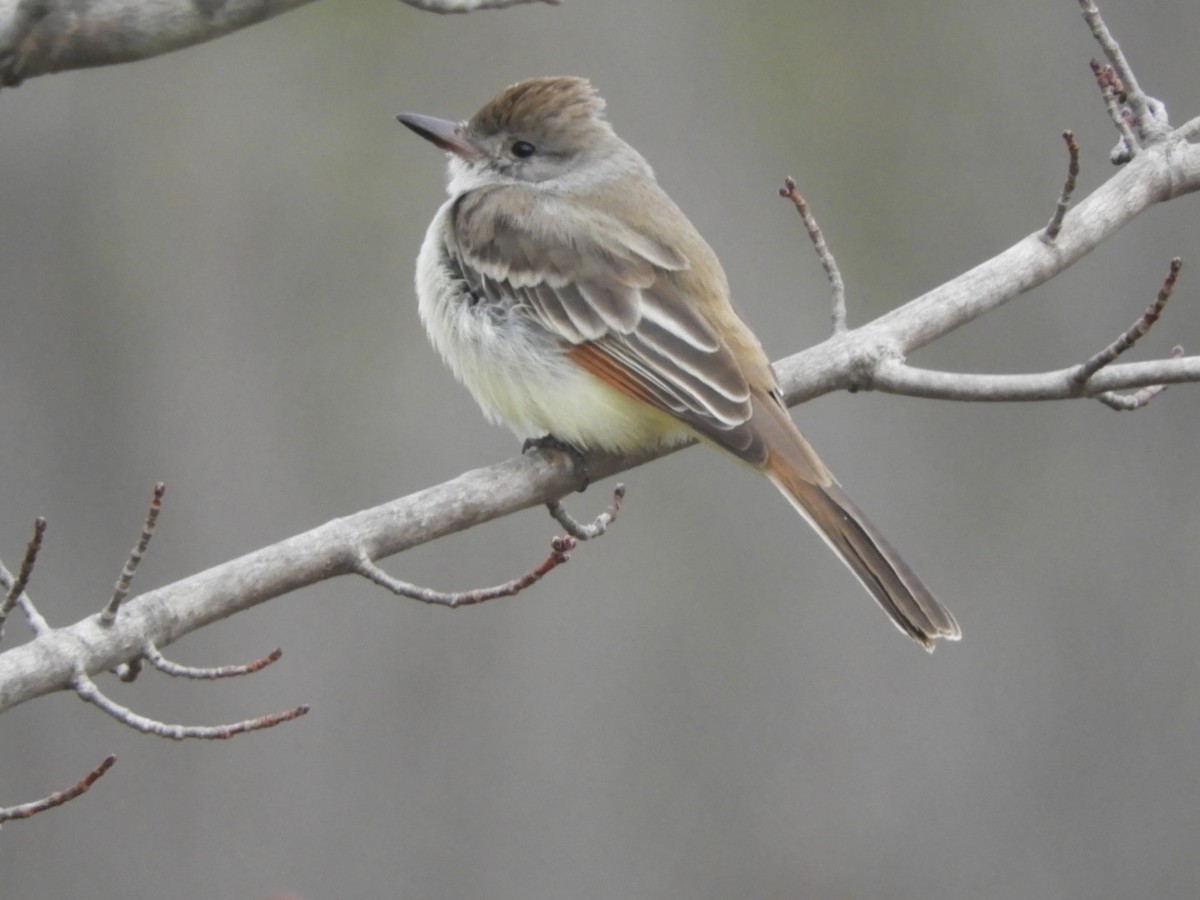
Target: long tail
<point>794,468</point>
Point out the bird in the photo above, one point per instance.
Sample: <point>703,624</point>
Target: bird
<point>575,300</point>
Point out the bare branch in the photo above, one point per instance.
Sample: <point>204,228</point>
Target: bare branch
<point>560,548</point>
<point>593,529</point>
<point>1164,171</point>
<point>869,356</point>
<point>39,37</point>
<point>895,377</point>
<point>832,272</point>
<point>87,690</point>
<point>1064,199</point>
<point>58,798</point>
<point>121,590</point>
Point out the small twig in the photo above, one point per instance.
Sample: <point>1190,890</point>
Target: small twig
<point>121,589</point>
<point>129,671</point>
<point>560,548</point>
<point>1139,398</point>
<point>1113,91</point>
<point>17,586</point>
<point>832,272</point>
<point>1132,334</point>
<point>87,690</point>
<point>1130,90</point>
<point>58,798</point>
<point>595,528</point>
<point>1064,199</point>
<point>160,662</point>
<point>27,562</point>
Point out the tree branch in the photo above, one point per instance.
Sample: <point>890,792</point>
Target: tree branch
<point>894,377</point>
<point>1166,166</point>
<point>1167,170</point>
<point>39,37</point>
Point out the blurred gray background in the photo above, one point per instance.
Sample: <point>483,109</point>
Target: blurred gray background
<point>207,263</point>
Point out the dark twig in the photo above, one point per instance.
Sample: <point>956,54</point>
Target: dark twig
<point>1139,398</point>
<point>87,690</point>
<point>1064,199</point>
<point>58,798</point>
<point>832,272</point>
<point>121,589</point>
<point>1132,334</point>
<point>595,528</point>
<point>560,548</point>
<point>17,586</point>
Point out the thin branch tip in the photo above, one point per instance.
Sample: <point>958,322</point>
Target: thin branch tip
<point>58,798</point>
<point>1054,226</point>
<point>17,585</point>
<point>208,673</point>
<point>29,560</point>
<point>125,579</point>
<point>824,254</point>
<point>89,692</point>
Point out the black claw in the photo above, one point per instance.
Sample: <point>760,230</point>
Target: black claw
<point>578,460</point>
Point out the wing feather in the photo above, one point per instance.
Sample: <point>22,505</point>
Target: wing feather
<point>614,296</point>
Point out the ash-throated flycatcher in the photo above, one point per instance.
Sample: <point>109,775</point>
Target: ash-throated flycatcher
<point>572,297</point>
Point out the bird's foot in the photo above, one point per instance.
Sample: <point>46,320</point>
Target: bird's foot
<point>578,460</point>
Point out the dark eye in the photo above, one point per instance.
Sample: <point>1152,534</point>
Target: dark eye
<point>523,149</point>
